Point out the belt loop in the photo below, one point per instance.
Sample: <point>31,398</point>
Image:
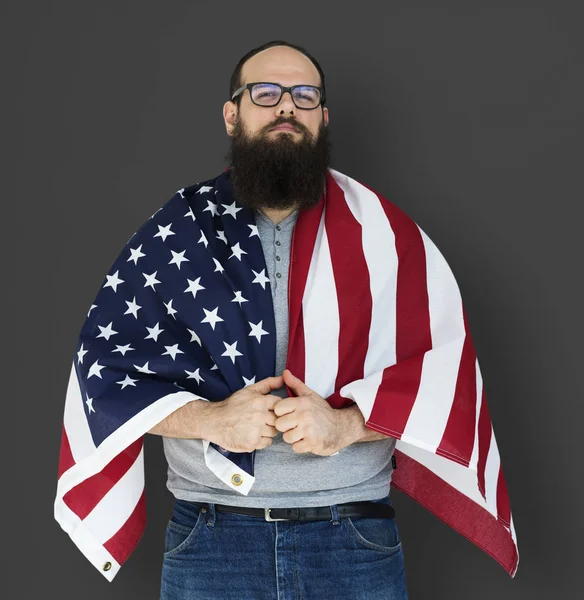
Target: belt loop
<point>334,514</point>
<point>211,514</point>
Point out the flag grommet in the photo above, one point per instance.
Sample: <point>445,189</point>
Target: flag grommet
<point>237,479</point>
<point>107,566</point>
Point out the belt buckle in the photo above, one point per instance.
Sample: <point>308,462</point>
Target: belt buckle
<point>269,518</point>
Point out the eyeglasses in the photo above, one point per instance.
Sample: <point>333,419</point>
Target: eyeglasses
<point>262,93</point>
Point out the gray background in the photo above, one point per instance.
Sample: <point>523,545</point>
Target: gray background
<point>468,115</point>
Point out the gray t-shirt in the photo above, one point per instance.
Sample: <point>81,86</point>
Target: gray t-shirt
<point>361,471</point>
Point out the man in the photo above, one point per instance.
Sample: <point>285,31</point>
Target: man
<point>281,491</point>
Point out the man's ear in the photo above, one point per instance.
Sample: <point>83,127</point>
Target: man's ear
<point>229,116</point>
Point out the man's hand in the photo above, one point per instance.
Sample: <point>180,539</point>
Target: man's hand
<point>308,421</point>
<point>244,421</point>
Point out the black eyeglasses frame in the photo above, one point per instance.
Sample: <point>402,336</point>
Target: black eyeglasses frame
<point>283,90</point>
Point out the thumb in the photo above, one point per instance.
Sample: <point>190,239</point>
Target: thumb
<point>265,386</point>
<point>295,384</point>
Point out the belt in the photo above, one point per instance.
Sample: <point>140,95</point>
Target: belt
<point>311,513</point>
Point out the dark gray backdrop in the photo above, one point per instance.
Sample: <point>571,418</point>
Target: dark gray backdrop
<point>465,114</point>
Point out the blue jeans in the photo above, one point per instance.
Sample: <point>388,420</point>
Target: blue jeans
<point>212,555</point>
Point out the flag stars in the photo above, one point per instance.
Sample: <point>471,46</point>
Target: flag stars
<point>169,309</point>
<point>133,308</point>
<point>145,369</point>
<point>127,381</point>
<point>113,281</point>
<point>221,236</point>
<point>172,351</point>
<point>237,251</point>
<point>92,307</point>
<point>106,332</point>
<point>151,280</point>
<point>257,331</point>
<point>248,381</point>
<point>203,239</point>
<point>194,286</point>
<point>261,278</point>
<point>190,213</point>
<point>218,266</point>
<point>80,354</point>
<point>194,375</point>
<point>164,232</point>
<point>239,298</point>
<point>204,189</point>
<point>154,332</point>
<point>231,210</point>
<point>212,317</point>
<point>194,337</point>
<point>89,403</point>
<point>95,369</point>
<point>231,351</point>
<point>135,254</point>
<point>178,258</point>
<point>123,349</point>
<point>254,230</point>
<point>212,208</point>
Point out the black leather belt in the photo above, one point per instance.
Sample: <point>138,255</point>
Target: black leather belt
<point>310,513</point>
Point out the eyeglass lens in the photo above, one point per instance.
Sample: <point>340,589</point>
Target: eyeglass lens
<point>266,94</point>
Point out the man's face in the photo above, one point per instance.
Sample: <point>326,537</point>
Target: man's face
<point>277,168</point>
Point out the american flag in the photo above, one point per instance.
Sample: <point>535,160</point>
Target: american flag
<point>375,318</point>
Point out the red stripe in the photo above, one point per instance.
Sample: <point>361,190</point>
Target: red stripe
<point>400,383</point>
<point>123,543</point>
<point>66,460</point>
<point>353,290</point>
<point>503,505</point>
<point>457,510</point>
<point>83,498</point>
<point>458,438</point>
<point>484,443</point>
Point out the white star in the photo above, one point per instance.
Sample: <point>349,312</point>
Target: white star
<point>157,211</point>
<point>261,278</point>
<point>164,232</point>
<point>106,332</point>
<point>151,280</point>
<point>231,351</point>
<point>194,337</point>
<point>214,367</point>
<point>136,253</point>
<point>237,251</point>
<point>95,369</point>
<point>133,308</point>
<point>221,236</point>
<point>173,351</point>
<point>239,298</point>
<point>204,188</point>
<point>203,239</point>
<point>212,207</point>
<point>145,369</point>
<point>190,214</point>
<point>92,307</point>
<point>211,317</point>
<point>127,381</point>
<point>178,385</point>
<point>180,192</point>
<point>194,286</point>
<point>123,349</point>
<point>89,403</point>
<point>169,309</point>
<point>194,375</point>
<point>257,331</point>
<point>178,258</point>
<point>218,266</point>
<point>154,332</point>
<point>80,354</point>
<point>231,210</point>
<point>249,381</point>
<point>113,281</point>
<point>254,230</point>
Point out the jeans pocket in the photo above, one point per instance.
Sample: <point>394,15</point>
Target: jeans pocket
<point>374,533</point>
<point>182,528</point>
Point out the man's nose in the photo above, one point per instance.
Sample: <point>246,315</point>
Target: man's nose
<point>286,103</point>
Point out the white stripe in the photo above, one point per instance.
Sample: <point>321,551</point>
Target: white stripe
<point>431,410</point>
<point>225,469</point>
<point>320,315</point>
<point>474,458</point>
<point>116,507</point>
<point>492,475</point>
<point>75,421</point>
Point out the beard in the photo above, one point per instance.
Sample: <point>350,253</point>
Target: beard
<point>277,171</point>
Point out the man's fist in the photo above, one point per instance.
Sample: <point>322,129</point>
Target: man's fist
<point>308,421</point>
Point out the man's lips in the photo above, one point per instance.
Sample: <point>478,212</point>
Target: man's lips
<point>285,127</point>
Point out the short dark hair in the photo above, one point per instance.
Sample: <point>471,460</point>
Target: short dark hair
<point>235,82</point>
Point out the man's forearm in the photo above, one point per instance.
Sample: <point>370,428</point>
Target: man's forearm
<point>187,422</point>
<point>357,431</point>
